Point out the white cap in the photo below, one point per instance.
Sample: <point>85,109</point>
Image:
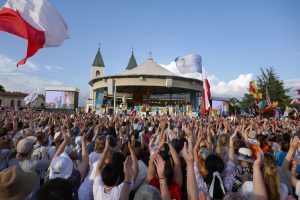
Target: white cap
<point>61,167</point>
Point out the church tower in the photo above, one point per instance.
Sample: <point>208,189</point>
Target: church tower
<point>132,62</point>
<point>97,69</point>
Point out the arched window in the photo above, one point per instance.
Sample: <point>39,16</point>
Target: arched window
<point>97,73</point>
<point>19,103</point>
<point>12,103</point>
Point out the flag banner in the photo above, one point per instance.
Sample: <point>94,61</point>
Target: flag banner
<point>31,96</point>
<point>262,104</point>
<point>298,91</point>
<point>257,96</point>
<point>253,87</point>
<point>133,113</point>
<point>270,108</point>
<point>36,21</point>
<point>277,112</point>
<point>205,94</point>
<point>287,111</point>
<point>189,64</point>
<point>268,100</point>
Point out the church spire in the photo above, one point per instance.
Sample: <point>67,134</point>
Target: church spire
<point>132,62</point>
<point>98,61</point>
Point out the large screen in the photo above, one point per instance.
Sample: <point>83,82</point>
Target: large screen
<point>60,99</point>
<point>221,107</point>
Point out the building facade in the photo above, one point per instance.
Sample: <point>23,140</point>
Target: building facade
<point>16,99</point>
<point>145,84</point>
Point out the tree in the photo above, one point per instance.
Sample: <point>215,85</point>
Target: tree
<point>2,88</point>
<point>269,79</point>
<point>248,101</point>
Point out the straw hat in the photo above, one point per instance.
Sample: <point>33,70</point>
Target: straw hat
<point>16,184</point>
<point>245,155</point>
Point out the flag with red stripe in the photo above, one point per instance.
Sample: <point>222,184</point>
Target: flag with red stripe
<point>205,94</point>
<point>34,20</point>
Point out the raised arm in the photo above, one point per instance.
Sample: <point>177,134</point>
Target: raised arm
<point>63,145</point>
<point>285,166</point>
<point>101,161</point>
<point>160,166</point>
<point>83,166</point>
<point>191,185</point>
<point>231,147</point>
<point>177,164</point>
<point>259,189</point>
<point>135,165</point>
<point>151,172</point>
<point>128,172</point>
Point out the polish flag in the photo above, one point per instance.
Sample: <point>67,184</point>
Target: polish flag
<point>205,94</point>
<point>34,20</point>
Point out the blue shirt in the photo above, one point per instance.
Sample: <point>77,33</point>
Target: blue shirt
<point>279,157</point>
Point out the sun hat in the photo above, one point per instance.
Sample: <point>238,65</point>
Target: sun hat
<point>61,167</point>
<point>147,192</point>
<point>245,155</point>
<point>25,145</point>
<point>16,184</point>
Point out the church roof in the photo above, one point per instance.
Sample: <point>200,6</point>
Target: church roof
<point>98,62</point>
<point>149,67</point>
<point>132,62</point>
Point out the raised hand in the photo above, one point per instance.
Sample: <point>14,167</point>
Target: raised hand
<point>259,158</point>
<point>160,166</point>
<point>187,153</point>
<point>294,143</point>
<point>127,167</point>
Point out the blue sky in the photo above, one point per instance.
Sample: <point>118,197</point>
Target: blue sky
<point>233,37</point>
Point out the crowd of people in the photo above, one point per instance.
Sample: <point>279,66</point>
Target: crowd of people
<point>46,155</point>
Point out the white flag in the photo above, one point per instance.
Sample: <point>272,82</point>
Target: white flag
<point>31,96</point>
<point>189,64</point>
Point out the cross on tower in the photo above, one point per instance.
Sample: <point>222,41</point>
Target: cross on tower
<point>99,45</point>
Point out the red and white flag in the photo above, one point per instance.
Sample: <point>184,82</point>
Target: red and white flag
<point>34,20</point>
<point>205,94</point>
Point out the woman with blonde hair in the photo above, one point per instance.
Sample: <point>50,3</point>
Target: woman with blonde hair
<point>275,190</point>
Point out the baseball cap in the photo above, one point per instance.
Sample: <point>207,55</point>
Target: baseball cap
<point>25,145</point>
<point>61,167</point>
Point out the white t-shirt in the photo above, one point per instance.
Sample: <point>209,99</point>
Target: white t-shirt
<point>85,191</point>
<point>247,190</point>
<point>114,194</point>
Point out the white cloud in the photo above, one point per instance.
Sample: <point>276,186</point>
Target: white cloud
<point>53,68</point>
<point>233,88</point>
<point>31,65</point>
<point>22,79</point>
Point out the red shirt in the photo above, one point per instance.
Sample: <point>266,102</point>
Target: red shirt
<point>174,188</point>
